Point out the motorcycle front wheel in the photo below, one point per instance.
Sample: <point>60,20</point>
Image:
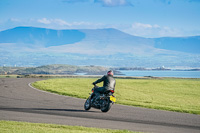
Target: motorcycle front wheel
<point>87,104</point>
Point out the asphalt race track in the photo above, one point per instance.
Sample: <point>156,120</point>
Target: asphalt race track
<point>20,102</point>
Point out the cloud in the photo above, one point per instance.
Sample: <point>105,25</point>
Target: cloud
<point>62,24</point>
<point>140,25</point>
<point>53,21</point>
<point>44,21</point>
<point>14,20</point>
<point>144,26</point>
<point>148,30</point>
<point>112,3</point>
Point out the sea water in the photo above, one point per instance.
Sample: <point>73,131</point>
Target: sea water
<point>161,73</point>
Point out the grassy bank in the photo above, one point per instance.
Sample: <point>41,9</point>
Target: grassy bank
<point>8,76</point>
<point>25,127</point>
<point>180,95</point>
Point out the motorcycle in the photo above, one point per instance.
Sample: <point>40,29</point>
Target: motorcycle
<point>102,102</point>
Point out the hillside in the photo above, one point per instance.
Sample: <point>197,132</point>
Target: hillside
<point>181,44</point>
<point>56,69</point>
<point>32,46</point>
<point>31,36</point>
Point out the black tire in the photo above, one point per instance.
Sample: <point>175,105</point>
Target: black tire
<point>87,104</point>
<point>105,107</point>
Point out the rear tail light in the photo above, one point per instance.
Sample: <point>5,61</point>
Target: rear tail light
<point>112,91</point>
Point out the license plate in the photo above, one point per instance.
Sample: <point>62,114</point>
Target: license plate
<point>112,98</point>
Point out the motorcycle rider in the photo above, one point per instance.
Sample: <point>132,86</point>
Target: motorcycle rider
<point>108,84</point>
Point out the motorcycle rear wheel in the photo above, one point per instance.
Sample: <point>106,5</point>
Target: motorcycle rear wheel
<point>87,104</point>
<point>106,106</point>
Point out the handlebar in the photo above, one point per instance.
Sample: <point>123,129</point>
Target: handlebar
<point>95,86</point>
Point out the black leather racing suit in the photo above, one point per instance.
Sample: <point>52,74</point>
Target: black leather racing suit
<point>108,84</point>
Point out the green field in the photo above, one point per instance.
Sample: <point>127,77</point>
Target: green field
<point>25,127</point>
<point>180,95</point>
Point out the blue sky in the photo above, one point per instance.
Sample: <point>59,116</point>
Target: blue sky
<point>146,18</point>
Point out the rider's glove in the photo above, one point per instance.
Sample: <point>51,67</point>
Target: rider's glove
<point>93,83</point>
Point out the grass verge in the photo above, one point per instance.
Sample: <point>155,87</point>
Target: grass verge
<point>180,95</point>
<point>25,127</point>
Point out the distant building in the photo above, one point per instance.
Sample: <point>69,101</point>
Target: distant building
<point>161,68</point>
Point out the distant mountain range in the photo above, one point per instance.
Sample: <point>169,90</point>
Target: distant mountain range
<point>32,46</point>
